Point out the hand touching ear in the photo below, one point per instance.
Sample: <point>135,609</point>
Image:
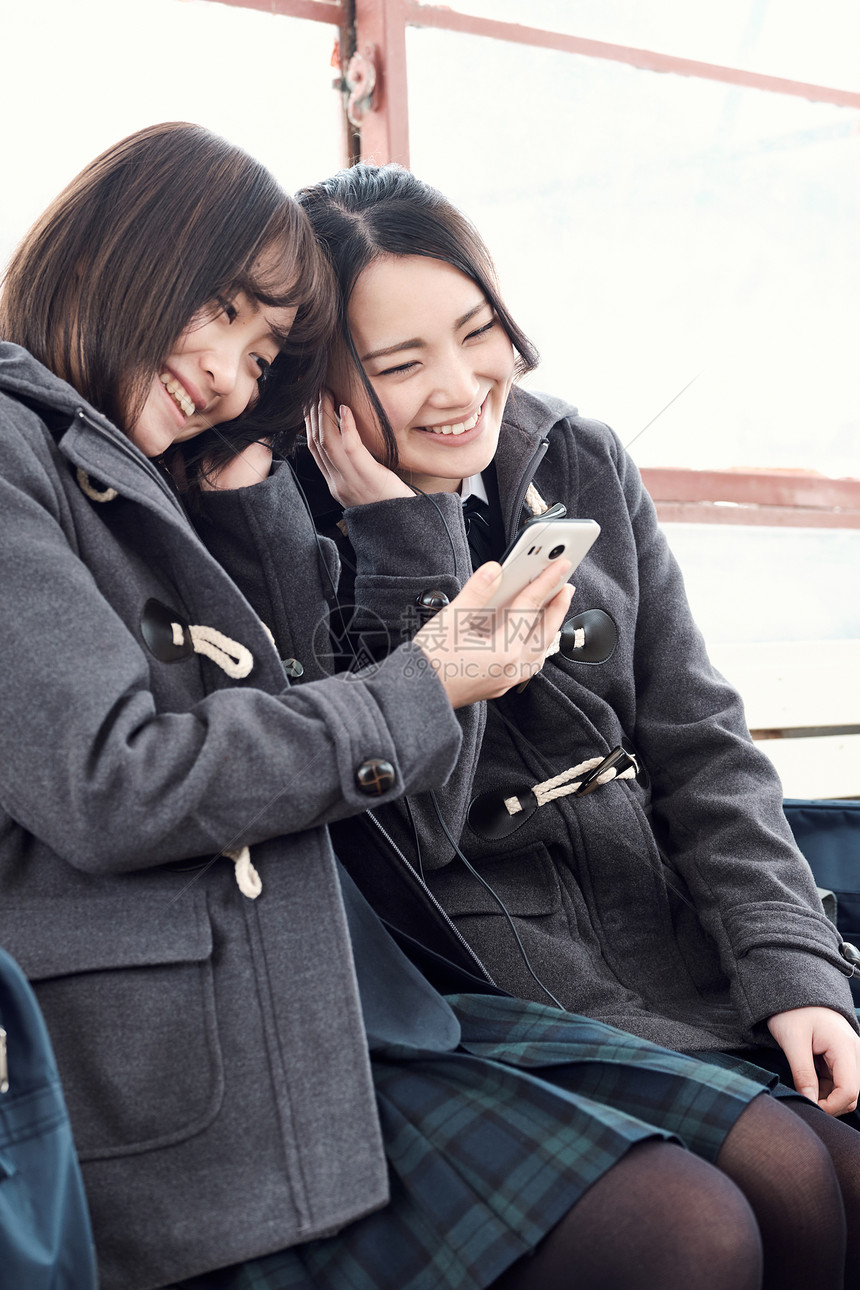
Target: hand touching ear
<point>353,474</point>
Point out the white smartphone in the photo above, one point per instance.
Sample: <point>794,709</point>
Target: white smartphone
<point>539,543</point>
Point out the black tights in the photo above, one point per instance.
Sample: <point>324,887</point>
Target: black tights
<point>660,1218</point>
<point>770,1214</point>
<point>843,1145</point>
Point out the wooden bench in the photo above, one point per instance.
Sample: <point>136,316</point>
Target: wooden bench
<point>802,702</point>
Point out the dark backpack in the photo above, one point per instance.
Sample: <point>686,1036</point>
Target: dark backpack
<point>45,1237</point>
<point>828,834</point>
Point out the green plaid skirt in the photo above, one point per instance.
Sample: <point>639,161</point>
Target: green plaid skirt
<point>490,1145</point>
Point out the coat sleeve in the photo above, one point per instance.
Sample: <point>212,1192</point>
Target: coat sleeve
<point>403,548</point>
<point>717,801</point>
<point>392,552</point>
<point>114,776</point>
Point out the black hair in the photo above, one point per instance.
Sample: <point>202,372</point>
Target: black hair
<point>368,211</point>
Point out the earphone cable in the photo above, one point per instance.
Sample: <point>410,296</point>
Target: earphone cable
<point>497,898</point>
<point>447,831</point>
<point>418,861</point>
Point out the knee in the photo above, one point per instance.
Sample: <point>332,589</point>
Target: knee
<point>686,1222</point>
<point>715,1226</point>
<point>730,1241</point>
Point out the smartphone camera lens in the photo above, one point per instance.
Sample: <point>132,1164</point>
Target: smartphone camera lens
<point>556,552</point>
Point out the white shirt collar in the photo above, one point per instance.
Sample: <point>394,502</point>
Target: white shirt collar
<point>474,486</point>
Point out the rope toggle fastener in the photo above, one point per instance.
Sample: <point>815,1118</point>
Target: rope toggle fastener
<point>497,814</point>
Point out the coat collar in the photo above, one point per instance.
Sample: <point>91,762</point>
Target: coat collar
<point>83,435</point>
<point>523,442</point>
<point>95,446</point>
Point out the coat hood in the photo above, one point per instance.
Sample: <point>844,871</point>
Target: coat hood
<point>535,411</point>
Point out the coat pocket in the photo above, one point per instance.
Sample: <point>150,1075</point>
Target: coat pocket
<point>525,882</point>
<point>534,940</point>
<point>126,989</point>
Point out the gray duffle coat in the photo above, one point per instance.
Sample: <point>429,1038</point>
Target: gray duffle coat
<point>679,910</point>
<point>211,1046</point>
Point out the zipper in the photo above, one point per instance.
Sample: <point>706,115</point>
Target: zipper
<point>437,907</point>
<point>4,1065</point>
<point>525,479</point>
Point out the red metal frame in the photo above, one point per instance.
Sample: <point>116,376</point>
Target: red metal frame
<point>376,31</point>
<point>425,15</point>
<point>761,497</point>
<point>380,35</point>
<point>381,24</point>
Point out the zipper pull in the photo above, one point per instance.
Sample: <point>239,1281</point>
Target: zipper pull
<point>4,1067</point>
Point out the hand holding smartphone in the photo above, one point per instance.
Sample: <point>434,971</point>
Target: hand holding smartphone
<point>539,543</point>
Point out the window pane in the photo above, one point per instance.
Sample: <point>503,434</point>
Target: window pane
<point>652,230</point>
<point>88,72</point>
<point>804,40</point>
<point>770,584</point>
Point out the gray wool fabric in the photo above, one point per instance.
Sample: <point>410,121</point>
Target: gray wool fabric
<point>212,1048</point>
<point>682,912</point>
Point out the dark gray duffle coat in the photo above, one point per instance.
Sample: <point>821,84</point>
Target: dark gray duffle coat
<point>681,911</point>
<point>211,1047</point>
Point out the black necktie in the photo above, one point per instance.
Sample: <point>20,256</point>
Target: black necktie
<point>477,516</point>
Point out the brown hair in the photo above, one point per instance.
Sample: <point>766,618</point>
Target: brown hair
<point>368,211</point>
<point>147,237</point>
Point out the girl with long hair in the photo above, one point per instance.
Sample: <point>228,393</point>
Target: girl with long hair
<point>611,840</point>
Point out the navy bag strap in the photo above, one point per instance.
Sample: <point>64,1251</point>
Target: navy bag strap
<point>45,1237</point>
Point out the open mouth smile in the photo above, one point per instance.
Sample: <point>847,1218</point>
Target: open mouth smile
<point>456,428</point>
<point>177,392</point>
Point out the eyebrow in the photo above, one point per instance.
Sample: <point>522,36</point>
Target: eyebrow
<point>416,342</point>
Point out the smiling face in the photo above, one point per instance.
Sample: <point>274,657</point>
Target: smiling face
<point>439,362</point>
<point>212,374</point>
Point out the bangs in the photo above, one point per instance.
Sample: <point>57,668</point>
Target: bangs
<point>287,269</point>
<point>290,271</point>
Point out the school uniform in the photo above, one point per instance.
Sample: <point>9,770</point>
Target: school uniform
<point>250,1063</point>
<point>673,904</point>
